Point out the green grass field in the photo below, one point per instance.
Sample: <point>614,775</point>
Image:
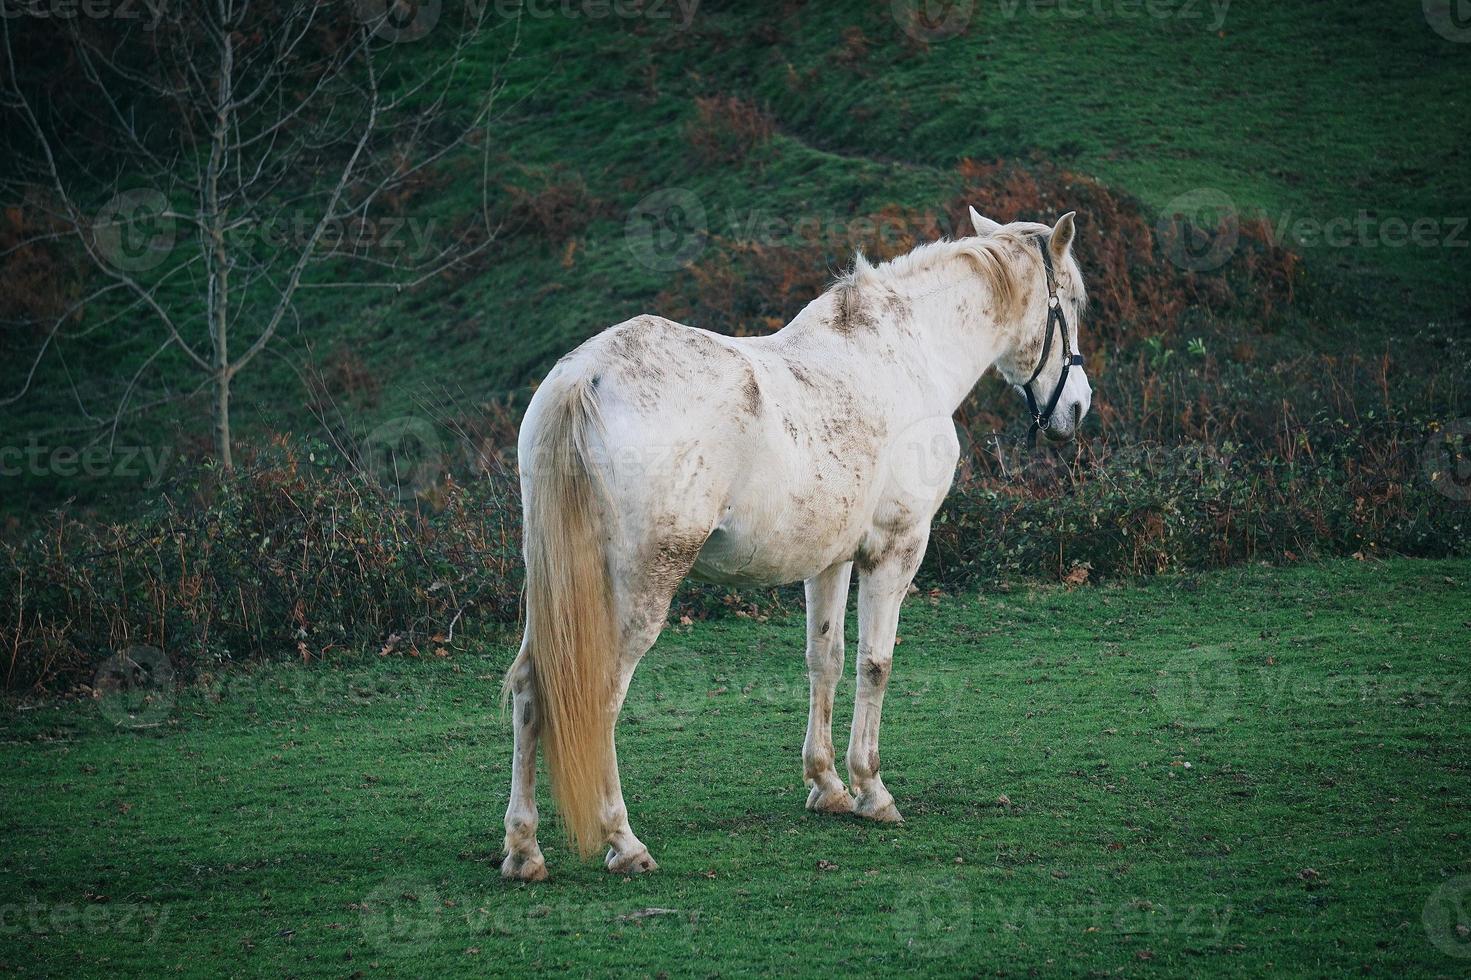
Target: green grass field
<point>1254,771</point>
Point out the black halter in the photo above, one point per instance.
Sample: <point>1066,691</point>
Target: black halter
<point>1041,419</point>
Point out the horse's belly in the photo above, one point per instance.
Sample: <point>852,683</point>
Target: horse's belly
<point>791,545</point>
<point>734,562</point>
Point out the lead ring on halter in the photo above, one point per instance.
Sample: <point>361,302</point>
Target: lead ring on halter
<point>1042,418</point>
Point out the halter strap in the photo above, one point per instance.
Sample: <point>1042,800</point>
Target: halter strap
<point>1042,418</point>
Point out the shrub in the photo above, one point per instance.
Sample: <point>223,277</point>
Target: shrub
<point>285,558</point>
<point>41,281</point>
<point>727,128</point>
<point>553,205</point>
<point>293,558</point>
<point>1142,509</point>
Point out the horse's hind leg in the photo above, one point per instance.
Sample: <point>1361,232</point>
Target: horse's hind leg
<point>827,601</point>
<point>643,602</point>
<point>626,853</point>
<point>524,860</point>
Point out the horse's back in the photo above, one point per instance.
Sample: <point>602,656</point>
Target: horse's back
<point>662,386</point>
<point>729,440</point>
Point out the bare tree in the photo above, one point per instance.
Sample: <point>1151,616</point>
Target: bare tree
<point>243,143</point>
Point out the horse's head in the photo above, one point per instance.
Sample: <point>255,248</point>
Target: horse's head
<point>1041,358</point>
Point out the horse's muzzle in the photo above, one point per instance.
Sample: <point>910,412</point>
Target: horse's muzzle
<point>1059,433</point>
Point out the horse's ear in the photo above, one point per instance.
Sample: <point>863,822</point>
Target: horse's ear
<point>1062,236</point>
<point>983,224</point>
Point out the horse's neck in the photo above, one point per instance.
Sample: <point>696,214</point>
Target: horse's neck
<point>954,338</point>
<point>925,343</point>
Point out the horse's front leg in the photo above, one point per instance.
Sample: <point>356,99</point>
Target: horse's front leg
<point>827,601</point>
<point>881,590</point>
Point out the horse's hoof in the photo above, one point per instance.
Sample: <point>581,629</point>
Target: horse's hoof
<point>633,863</point>
<point>879,811</point>
<point>829,800</point>
<point>524,867</point>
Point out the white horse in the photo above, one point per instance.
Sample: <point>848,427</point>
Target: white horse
<point>656,450</point>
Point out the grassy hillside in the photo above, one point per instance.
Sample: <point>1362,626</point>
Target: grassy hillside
<point>1305,113</point>
<point>1251,772</point>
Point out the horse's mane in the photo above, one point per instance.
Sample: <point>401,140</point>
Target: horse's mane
<point>989,257</point>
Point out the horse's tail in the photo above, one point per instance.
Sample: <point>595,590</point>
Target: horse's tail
<point>570,634</point>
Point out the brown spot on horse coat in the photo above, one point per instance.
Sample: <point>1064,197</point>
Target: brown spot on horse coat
<point>751,393</point>
<point>630,344</point>
<point>801,374</point>
<point>674,557</point>
<point>659,573</point>
<point>850,315</point>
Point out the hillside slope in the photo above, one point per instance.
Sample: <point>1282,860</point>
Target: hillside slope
<point>790,124</point>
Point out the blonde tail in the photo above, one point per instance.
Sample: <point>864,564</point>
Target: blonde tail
<point>570,632</point>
